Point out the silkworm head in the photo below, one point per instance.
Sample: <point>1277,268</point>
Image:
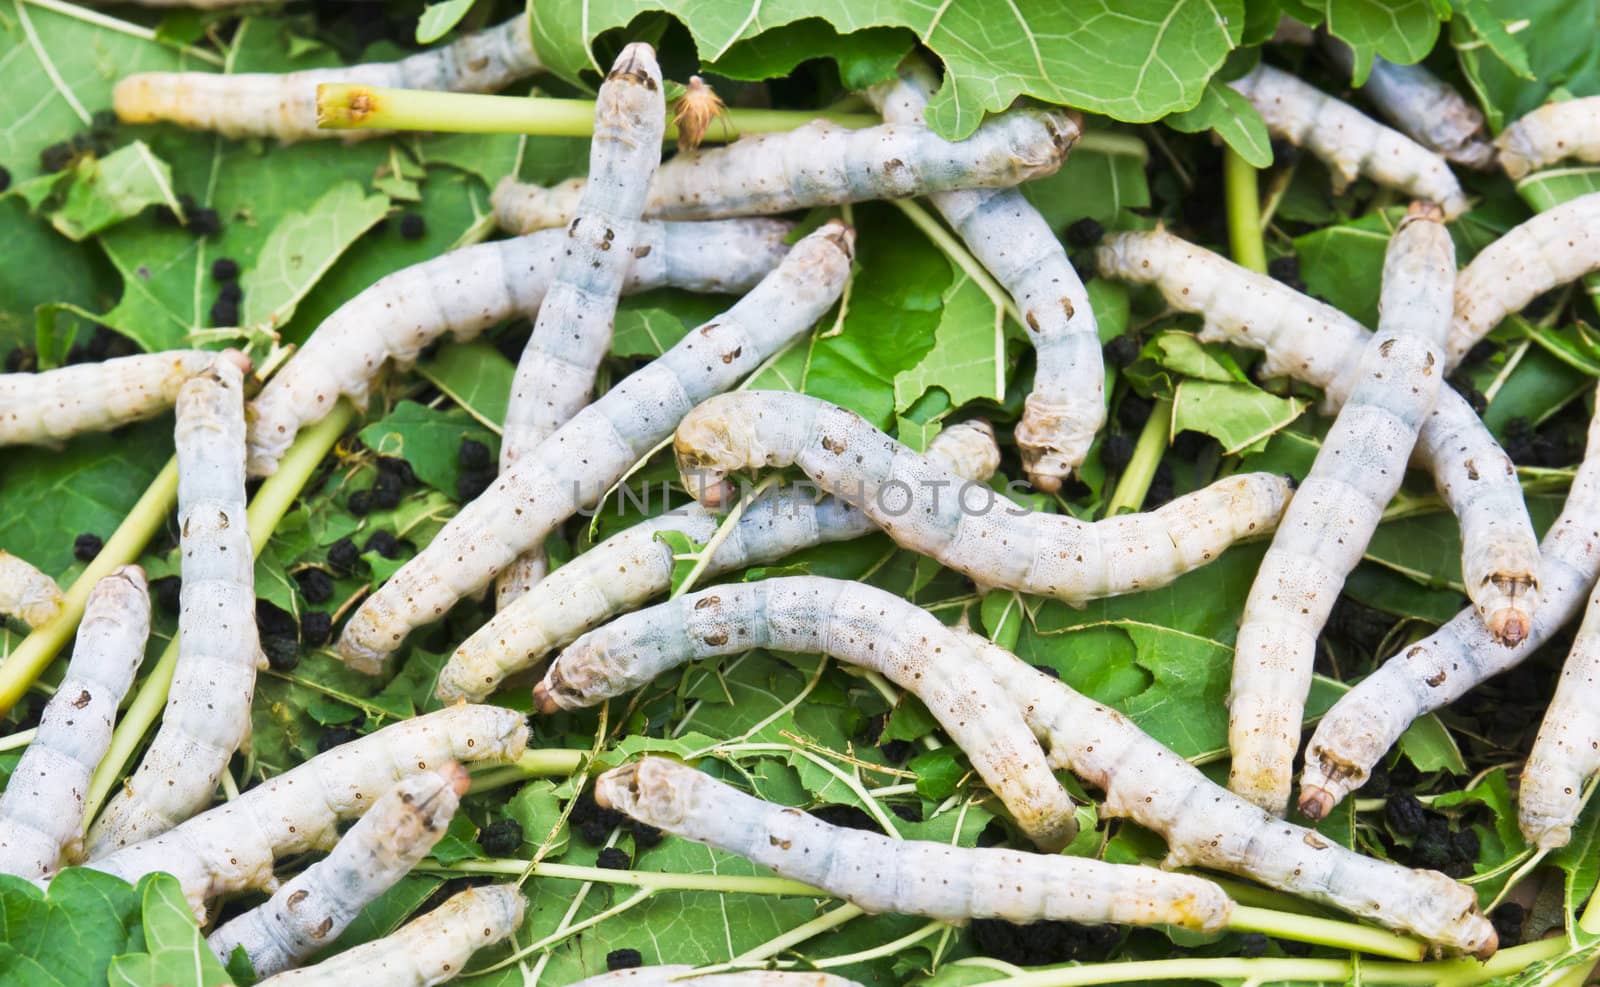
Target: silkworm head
<point>653,790</point>
<point>631,98</point>
<point>708,448</point>
<point>580,676</point>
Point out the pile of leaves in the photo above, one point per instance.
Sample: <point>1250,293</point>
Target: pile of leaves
<point>115,239</point>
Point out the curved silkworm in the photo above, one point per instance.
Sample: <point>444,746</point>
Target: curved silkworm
<point>849,621</point>
<point>579,463</point>
<point>466,291</point>
<point>26,593</point>
<point>907,877</point>
<point>572,333</point>
<point>232,847</point>
<point>1566,752</point>
<point>1336,509</point>
<point>1429,110</point>
<point>1553,132</point>
<point>625,570</point>
<point>45,408</point>
<point>207,715</point>
<point>425,951</point>
<point>682,974</point>
<point>264,104</point>
<point>1556,246</point>
<point>1367,721</point>
<point>1068,403</point>
<point>311,910</point>
<point>1352,144</point>
<point>821,164</point>
<point>41,811</point>
<point>928,509</point>
<point>1206,825</point>
<point>1316,343</point>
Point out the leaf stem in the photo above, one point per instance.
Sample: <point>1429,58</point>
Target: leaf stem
<point>42,644</point>
<point>271,503</point>
<point>550,762</point>
<point>1326,932</point>
<point>350,106</point>
<point>1244,212</point>
<point>652,880</point>
<point>1136,477</point>
<point>800,933</point>
<point>702,561</point>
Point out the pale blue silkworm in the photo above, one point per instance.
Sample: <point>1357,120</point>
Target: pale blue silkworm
<point>629,568</point>
<point>572,334</point>
<point>207,715</point>
<point>853,622</point>
<point>41,812</point>
<point>907,877</point>
<point>579,463</point>
<point>464,292</point>
<point>1429,110</point>
<point>1551,133</point>
<point>1336,510</point>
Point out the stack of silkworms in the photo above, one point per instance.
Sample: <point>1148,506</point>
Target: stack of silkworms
<point>638,223</point>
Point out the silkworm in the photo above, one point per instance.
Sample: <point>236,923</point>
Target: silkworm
<point>1554,247</point>
<point>675,974</point>
<point>1320,345</point>
<point>425,951</point>
<point>1566,752</point>
<point>26,593</point>
<point>1350,143</point>
<point>852,622</point>
<point>907,877</point>
<point>466,291</point>
<point>232,846</point>
<point>624,571</point>
<point>1068,404</point>
<point>41,811</point>
<point>820,164</point>
<point>1366,721</point>
<point>572,334</point>
<point>1208,826</point>
<point>1551,133</point>
<point>928,509</point>
<point>575,466</point>
<point>207,715</point>
<point>1429,110</point>
<point>263,104</point>
<point>46,408</point>
<point>1336,509</point>
<point>320,902</point>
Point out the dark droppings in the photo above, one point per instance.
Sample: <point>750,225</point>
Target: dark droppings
<point>1085,232</point>
<point>471,484</point>
<point>1133,411</point>
<point>315,585</point>
<point>56,157</point>
<point>274,621</point>
<point>5,178</point>
<point>473,455</point>
<point>386,492</point>
<point>336,737</point>
<point>205,222</point>
<point>1041,943</point>
<point>501,838</point>
<point>623,959</point>
<point>167,591</point>
<point>1122,350</point>
<point>343,556</point>
<point>316,627</point>
<point>86,546</point>
<point>1405,814</point>
<point>612,858</point>
<point>384,543</point>
<point>224,269</point>
<point>1115,451</point>
<point>847,817</point>
<point>359,503</point>
<point>412,226</point>
<point>283,653</point>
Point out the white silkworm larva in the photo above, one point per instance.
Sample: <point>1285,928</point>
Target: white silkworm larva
<point>232,847</point>
<point>262,104</point>
<point>821,164</point>
<point>572,333</point>
<point>321,901</point>
<point>26,593</point>
<point>1439,669</point>
<point>624,571</point>
<point>1556,246</point>
<point>466,291</point>
<point>1429,110</point>
<point>1351,143</point>
<point>425,951</point>
<point>1068,404</point>
<point>928,509</point>
<point>676,974</point>
<point>1549,134</point>
<point>1208,826</point>
<point>1316,343</point>
<point>41,811</point>
<point>1567,751</point>
<point>907,877</point>
<point>45,408</point>
<point>579,463</point>
<point>207,715</point>
<point>1336,509</point>
<point>852,622</point>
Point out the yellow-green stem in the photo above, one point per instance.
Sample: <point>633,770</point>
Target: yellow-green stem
<point>1134,483</point>
<point>271,503</point>
<point>44,642</point>
<point>651,880</point>
<point>556,762</point>
<point>1244,212</point>
<point>1326,932</point>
